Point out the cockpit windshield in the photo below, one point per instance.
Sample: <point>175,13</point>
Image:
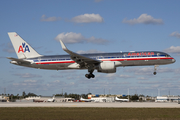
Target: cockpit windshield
<point>167,56</point>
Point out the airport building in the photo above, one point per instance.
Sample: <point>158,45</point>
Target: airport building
<point>147,98</point>
<point>102,98</point>
<point>63,99</point>
<point>167,99</point>
<point>4,98</point>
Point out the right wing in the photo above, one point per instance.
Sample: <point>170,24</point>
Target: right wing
<point>82,60</point>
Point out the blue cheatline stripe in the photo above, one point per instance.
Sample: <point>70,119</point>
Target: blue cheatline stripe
<point>36,60</point>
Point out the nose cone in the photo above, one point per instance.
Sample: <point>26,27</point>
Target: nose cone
<point>173,60</point>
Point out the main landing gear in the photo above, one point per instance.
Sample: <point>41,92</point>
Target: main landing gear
<point>90,75</point>
<point>155,68</point>
<point>90,70</point>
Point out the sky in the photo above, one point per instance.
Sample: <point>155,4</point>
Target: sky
<point>88,26</point>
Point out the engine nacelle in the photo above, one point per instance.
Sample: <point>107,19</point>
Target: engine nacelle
<point>107,67</point>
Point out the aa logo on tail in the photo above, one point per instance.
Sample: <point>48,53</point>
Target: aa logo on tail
<point>23,48</point>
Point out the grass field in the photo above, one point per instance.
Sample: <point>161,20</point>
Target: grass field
<point>59,113</point>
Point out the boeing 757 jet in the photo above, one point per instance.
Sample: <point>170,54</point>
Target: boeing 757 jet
<point>102,62</point>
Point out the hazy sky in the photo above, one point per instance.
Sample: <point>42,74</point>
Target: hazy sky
<point>91,26</point>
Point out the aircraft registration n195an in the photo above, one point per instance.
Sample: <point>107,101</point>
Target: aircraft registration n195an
<point>102,62</point>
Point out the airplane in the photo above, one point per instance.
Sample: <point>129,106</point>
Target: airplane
<point>86,100</point>
<point>102,62</point>
<point>121,100</point>
<point>51,100</point>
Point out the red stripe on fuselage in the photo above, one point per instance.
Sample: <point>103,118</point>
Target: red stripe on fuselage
<point>58,62</point>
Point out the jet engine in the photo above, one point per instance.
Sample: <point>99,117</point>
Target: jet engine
<point>107,67</point>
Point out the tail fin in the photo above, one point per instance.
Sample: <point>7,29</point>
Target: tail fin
<point>22,48</point>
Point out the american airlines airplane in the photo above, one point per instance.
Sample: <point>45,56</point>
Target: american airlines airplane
<point>102,62</point>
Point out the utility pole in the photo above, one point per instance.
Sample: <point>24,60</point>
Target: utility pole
<point>169,96</point>
<point>128,93</point>
<point>62,92</point>
<point>4,91</point>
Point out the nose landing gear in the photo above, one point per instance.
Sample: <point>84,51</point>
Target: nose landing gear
<point>155,68</point>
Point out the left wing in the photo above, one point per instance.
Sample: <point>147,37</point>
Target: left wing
<point>79,58</point>
<point>18,61</point>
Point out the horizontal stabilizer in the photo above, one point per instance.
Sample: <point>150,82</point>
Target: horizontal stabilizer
<point>18,60</point>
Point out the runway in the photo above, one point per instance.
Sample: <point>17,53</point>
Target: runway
<point>92,104</point>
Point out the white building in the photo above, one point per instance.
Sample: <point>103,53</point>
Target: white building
<point>103,99</point>
<point>4,98</point>
<point>167,98</point>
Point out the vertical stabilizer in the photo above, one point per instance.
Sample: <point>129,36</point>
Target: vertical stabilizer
<point>22,48</point>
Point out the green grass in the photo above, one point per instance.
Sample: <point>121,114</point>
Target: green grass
<point>59,113</point>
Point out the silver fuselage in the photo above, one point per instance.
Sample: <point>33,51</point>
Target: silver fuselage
<point>62,62</point>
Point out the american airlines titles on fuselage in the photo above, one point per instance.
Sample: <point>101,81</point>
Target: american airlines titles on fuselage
<point>102,62</point>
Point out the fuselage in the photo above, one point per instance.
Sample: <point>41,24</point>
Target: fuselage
<point>61,62</point>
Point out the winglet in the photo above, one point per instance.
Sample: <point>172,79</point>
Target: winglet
<point>63,46</point>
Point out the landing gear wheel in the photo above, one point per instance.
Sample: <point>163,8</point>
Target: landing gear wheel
<point>154,73</point>
<point>93,76</point>
<point>89,76</point>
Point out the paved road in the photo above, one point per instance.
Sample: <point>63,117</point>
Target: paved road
<point>91,104</point>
